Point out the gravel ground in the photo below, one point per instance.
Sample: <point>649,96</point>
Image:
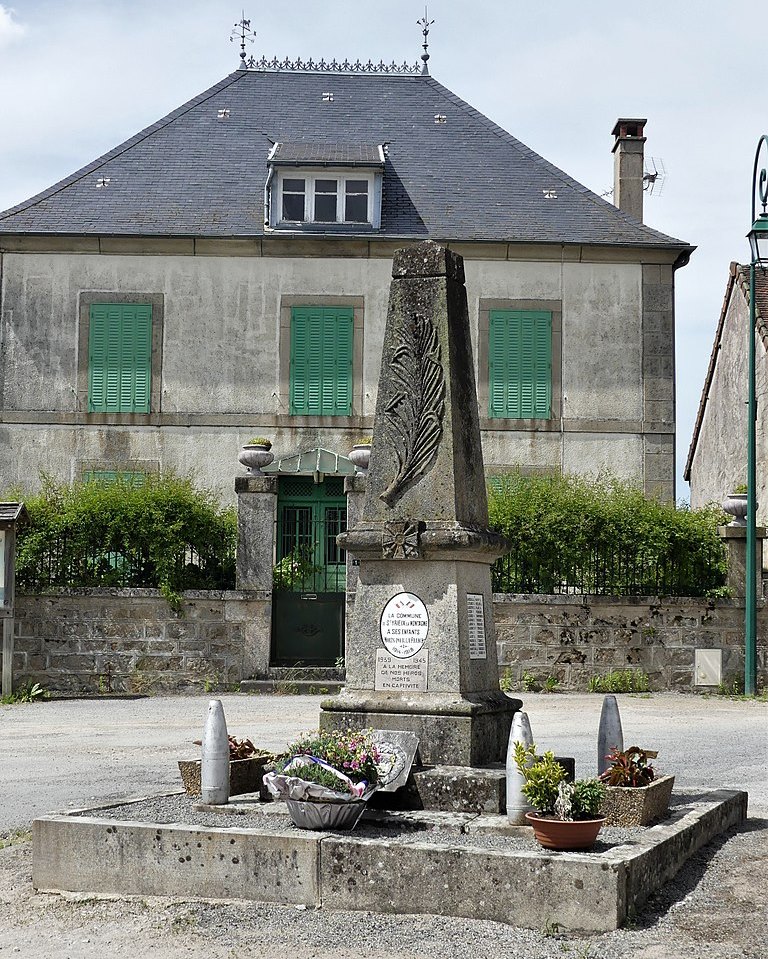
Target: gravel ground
<point>65,754</point>
<point>270,818</point>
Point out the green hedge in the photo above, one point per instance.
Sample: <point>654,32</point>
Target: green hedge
<point>162,533</point>
<point>574,535</point>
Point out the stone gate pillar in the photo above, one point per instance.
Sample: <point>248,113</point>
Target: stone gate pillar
<point>256,524</point>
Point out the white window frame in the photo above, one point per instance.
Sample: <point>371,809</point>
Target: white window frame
<point>341,176</point>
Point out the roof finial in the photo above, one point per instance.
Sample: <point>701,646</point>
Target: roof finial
<point>242,30</point>
<point>425,23</point>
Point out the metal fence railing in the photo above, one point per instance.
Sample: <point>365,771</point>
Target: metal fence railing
<point>62,564</point>
<point>615,573</point>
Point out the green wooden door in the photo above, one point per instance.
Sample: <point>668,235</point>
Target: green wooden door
<point>310,578</point>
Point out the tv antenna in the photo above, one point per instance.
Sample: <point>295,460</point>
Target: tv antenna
<point>654,174</point>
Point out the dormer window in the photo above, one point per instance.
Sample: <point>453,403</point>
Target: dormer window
<point>325,187</point>
<point>325,199</point>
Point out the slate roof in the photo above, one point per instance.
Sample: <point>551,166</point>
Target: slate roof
<point>738,279</point>
<point>338,154</point>
<point>195,173</point>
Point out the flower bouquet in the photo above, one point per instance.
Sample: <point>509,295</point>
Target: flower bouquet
<point>326,778</point>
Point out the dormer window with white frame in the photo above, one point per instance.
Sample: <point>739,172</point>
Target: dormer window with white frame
<point>325,187</point>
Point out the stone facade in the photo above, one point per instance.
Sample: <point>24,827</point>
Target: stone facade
<point>71,642</point>
<point>91,641</point>
<point>574,638</point>
<point>717,459</point>
<point>220,373</point>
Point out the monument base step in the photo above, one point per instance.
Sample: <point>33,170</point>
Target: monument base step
<point>456,789</point>
<point>448,864</point>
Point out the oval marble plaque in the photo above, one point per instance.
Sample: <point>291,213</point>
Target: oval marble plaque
<point>404,625</point>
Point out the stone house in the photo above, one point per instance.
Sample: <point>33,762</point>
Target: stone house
<point>225,273</point>
<point>717,457</point>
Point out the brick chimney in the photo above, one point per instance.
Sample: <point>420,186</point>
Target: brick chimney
<point>628,166</point>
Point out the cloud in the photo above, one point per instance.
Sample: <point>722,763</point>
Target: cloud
<point>10,29</point>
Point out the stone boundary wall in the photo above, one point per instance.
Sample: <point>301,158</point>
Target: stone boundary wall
<point>576,637</point>
<point>131,640</point>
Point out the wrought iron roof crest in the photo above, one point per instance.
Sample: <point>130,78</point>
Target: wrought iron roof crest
<point>331,66</point>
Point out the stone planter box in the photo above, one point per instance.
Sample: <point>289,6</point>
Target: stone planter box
<point>637,805</point>
<point>245,776</point>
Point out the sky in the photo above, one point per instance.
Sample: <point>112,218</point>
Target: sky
<point>79,77</point>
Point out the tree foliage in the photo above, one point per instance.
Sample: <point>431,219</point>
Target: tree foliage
<point>572,534</point>
<point>163,533</point>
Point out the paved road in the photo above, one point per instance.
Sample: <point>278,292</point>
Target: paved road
<point>63,754</point>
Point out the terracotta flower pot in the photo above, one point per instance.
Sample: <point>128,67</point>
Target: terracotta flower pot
<point>562,833</point>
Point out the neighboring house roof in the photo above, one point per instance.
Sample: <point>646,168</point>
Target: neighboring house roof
<point>738,279</point>
<point>201,170</point>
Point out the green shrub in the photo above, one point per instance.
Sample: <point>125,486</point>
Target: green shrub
<point>620,681</point>
<point>164,534</point>
<point>575,535</point>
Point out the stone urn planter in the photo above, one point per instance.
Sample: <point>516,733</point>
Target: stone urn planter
<point>637,805</point>
<point>735,504</point>
<point>255,456</point>
<point>563,834</point>
<point>360,454</point>
<point>245,776</point>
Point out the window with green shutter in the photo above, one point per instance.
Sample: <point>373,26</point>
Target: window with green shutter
<point>520,364</point>
<point>321,361</point>
<point>119,357</point>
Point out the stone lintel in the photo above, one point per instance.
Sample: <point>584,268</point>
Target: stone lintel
<point>255,483</point>
<point>739,532</point>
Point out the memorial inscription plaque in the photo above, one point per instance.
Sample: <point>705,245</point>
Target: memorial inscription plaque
<point>401,675</point>
<point>404,625</point>
<point>476,626</point>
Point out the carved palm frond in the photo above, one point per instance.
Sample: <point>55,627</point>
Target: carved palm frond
<point>413,418</point>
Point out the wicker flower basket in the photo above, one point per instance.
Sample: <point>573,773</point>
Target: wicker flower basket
<point>245,776</point>
<point>637,805</point>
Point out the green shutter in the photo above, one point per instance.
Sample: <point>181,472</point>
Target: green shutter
<point>120,358</point>
<point>321,361</point>
<point>520,364</point>
<point>112,476</point>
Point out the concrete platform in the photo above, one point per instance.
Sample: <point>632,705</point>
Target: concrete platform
<point>456,864</point>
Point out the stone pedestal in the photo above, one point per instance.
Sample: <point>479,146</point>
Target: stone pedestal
<point>735,538</point>
<point>256,518</point>
<point>421,649</point>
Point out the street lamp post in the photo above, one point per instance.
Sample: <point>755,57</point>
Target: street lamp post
<point>758,245</point>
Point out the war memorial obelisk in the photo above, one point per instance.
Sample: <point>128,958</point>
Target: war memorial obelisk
<point>421,650</point>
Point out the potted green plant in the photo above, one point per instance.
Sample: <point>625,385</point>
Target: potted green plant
<point>255,454</point>
<point>246,768</point>
<point>327,777</point>
<point>360,454</point>
<point>634,795</point>
<point>566,814</point>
